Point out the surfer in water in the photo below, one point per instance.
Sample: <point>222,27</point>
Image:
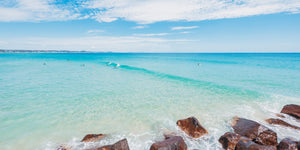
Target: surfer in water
<point>118,65</point>
<point>108,63</point>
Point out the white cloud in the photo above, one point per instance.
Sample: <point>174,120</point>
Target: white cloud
<point>35,10</point>
<point>150,11</point>
<point>184,28</point>
<point>151,34</point>
<point>139,27</point>
<point>185,32</point>
<point>143,12</point>
<point>95,31</point>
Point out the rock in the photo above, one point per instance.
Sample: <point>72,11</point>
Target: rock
<point>192,127</point>
<point>282,123</point>
<point>107,147</point>
<point>229,140</point>
<point>93,137</point>
<point>171,142</point>
<point>169,135</point>
<point>292,110</point>
<point>247,144</point>
<point>280,115</point>
<point>120,145</point>
<point>63,147</point>
<point>287,144</point>
<point>254,131</point>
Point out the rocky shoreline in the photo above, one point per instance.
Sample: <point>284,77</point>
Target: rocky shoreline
<point>247,135</point>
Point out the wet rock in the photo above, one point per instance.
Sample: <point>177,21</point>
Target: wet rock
<point>287,144</point>
<point>192,127</point>
<point>169,135</point>
<point>254,131</point>
<point>63,147</point>
<point>292,110</point>
<point>280,115</point>
<point>107,147</point>
<point>120,145</point>
<point>171,142</point>
<point>247,144</point>
<point>93,137</point>
<point>229,140</point>
<point>282,123</point>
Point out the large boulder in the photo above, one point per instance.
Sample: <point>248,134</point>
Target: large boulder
<point>247,144</point>
<point>254,131</point>
<point>171,142</point>
<point>93,137</point>
<point>192,127</point>
<point>282,123</point>
<point>287,144</point>
<point>229,140</point>
<point>292,110</point>
<point>120,145</point>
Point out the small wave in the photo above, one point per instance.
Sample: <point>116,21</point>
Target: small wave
<point>112,64</point>
<point>217,88</point>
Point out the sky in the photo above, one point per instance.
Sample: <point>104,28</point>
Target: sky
<point>151,25</point>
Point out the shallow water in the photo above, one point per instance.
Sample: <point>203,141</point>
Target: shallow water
<point>44,106</point>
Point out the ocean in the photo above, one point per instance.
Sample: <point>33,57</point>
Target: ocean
<point>50,99</point>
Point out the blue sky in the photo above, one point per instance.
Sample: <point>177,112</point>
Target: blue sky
<point>151,25</point>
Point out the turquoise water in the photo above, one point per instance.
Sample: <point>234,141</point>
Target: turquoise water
<point>45,105</point>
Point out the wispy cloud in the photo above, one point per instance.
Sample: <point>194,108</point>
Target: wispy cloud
<point>184,28</point>
<point>151,34</point>
<point>95,31</point>
<point>143,12</point>
<point>185,32</point>
<point>139,27</point>
<point>36,10</point>
<point>150,11</point>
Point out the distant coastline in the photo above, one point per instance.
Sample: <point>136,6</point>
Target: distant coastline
<point>70,51</point>
<point>46,51</point>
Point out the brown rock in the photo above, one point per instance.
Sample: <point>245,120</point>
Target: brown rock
<point>93,137</point>
<point>292,109</point>
<point>120,145</point>
<point>287,144</point>
<point>169,135</point>
<point>280,115</point>
<point>192,127</point>
<point>107,147</point>
<point>63,147</point>
<point>171,142</point>
<point>281,122</point>
<point>229,140</point>
<point>247,144</point>
<point>254,131</point>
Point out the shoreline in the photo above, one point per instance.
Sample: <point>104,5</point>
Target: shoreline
<point>246,135</point>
